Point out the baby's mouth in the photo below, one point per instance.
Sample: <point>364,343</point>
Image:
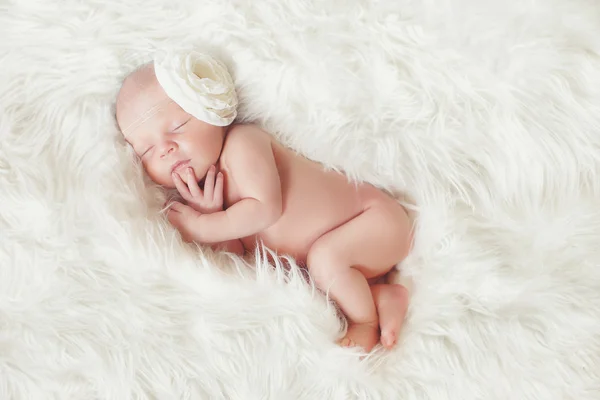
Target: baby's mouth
<point>179,165</point>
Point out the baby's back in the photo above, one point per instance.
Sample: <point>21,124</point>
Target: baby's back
<point>315,201</point>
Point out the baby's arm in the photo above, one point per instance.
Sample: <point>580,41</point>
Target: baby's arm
<point>249,157</point>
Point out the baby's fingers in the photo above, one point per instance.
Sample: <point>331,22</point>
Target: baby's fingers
<point>181,186</point>
<point>192,185</point>
<point>218,196</point>
<point>179,214</point>
<point>182,218</point>
<point>209,183</point>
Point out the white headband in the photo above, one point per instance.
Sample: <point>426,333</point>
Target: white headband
<point>200,85</point>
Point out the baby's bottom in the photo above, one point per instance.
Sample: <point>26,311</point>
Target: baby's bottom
<point>343,260</point>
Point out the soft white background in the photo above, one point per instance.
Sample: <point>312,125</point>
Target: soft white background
<point>486,113</point>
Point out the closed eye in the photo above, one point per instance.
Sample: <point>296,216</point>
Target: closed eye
<point>182,125</point>
<point>144,153</point>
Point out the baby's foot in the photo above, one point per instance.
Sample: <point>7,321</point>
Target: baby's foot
<point>362,335</point>
<point>391,307</point>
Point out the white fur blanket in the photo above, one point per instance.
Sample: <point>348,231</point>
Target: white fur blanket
<point>486,113</point>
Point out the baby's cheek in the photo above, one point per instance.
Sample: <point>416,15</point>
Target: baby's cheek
<point>158,175</point>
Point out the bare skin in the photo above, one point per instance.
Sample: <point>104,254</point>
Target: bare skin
<point>347,235</point>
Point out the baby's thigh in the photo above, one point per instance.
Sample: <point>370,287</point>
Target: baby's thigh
<point>372,242</point>
<point>386,236</point>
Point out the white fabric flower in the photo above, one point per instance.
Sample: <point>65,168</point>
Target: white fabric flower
<point>199,84</point>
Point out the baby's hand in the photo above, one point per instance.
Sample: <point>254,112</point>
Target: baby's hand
<point>205,201</point>
<point>185,219</point>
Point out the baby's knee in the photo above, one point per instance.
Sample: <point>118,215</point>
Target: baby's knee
<point>395,222</point>
<point>320,254</point>
<point>323,262</point>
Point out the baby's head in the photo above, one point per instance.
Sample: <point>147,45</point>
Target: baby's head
<point>174,114</point>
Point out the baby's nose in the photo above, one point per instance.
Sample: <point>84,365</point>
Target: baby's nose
<point>168,148</point>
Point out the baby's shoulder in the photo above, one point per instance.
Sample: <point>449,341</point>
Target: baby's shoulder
<point>245,141</point>
<point>245,133</point>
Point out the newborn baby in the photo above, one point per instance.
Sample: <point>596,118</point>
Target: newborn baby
<point>177,114</point>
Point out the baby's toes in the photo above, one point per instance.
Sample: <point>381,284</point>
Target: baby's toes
<point>388,338</point>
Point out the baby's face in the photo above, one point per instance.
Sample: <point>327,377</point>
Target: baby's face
<point>165,137</point>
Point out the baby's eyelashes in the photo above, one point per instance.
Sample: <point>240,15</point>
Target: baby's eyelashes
<point>178,126</point>
<point>146,152</point>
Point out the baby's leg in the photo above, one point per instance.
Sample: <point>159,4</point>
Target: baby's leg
<point>343,259</point>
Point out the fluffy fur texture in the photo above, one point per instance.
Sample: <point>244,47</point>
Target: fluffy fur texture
<point>486,114</point>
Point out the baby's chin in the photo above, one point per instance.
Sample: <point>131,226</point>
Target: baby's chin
<point>165,184</point>
<point>162,180</point>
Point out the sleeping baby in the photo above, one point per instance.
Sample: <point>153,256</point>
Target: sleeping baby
<point>241,187</point>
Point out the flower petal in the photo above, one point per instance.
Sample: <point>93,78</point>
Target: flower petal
<point>200,85</point>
